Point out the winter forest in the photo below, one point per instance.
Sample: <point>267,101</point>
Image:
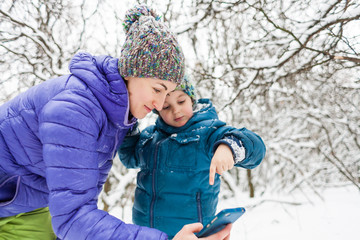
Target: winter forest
<point>288,70</point>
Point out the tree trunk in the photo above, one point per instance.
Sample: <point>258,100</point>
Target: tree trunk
<point>251,186</point>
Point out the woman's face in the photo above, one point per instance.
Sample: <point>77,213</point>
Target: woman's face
<point>177,109</point>
<point>145,94</point>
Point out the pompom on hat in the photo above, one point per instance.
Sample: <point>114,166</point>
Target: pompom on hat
<point>150,49</point>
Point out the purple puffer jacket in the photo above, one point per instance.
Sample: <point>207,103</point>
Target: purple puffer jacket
<point>57,142</point>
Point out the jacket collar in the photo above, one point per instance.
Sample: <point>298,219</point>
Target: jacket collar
<point>102,76</point>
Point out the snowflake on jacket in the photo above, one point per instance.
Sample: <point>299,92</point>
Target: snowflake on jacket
<point>173,182</point>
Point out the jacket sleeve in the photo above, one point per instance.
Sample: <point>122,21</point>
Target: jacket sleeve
<point>247,147</point>
<point>128,150</point>
<point>69,127</point>
<point>236,146</point>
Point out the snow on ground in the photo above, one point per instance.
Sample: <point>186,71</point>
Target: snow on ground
<point>334,216</point>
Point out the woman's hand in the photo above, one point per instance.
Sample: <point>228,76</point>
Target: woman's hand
<point>187,233</point>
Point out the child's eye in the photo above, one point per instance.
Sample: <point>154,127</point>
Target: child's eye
<point>165,107</point>
<point>181,102</point>
<point>157,90</point>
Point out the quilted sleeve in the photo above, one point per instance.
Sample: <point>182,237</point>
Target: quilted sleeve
<point>245,139</point>
<point>70,126</point>
<point>254,147</point>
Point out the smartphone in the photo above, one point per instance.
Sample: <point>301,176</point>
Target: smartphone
<point>221,219</point>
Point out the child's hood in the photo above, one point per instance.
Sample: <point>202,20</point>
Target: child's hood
<point>205,107</point>
<point>101,75</point>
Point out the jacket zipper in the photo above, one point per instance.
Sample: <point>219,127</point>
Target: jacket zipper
<point>198,204</point>
<point>153,185</point>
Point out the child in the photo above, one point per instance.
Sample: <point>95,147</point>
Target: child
<point>178,158</point>
<point>58,139</point>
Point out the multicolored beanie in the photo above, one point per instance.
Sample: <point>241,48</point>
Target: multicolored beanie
<point>188,88</point>
<point>150,49</point>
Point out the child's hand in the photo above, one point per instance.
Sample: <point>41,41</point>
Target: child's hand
<point>222,161</point>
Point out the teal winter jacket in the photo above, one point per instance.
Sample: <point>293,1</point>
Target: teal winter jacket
<point>173,183</point>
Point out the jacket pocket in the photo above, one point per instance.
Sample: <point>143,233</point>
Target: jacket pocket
<point>182,153</point>
<point>8,189</point>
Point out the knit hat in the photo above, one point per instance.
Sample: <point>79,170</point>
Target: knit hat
<point>150,49</point>
<point>188,88</point>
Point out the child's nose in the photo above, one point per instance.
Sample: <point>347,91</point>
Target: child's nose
<point>175,109</point>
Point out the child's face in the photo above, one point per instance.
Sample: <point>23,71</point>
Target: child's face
<point>145,94</point>
<point>177,109</point>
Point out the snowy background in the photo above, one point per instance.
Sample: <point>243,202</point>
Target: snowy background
<point>287,70</point>
<point>334,216</point>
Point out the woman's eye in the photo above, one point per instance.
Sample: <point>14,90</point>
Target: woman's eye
<point>165,107</point>
<point>157,90</point>
<point>181,102</point>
